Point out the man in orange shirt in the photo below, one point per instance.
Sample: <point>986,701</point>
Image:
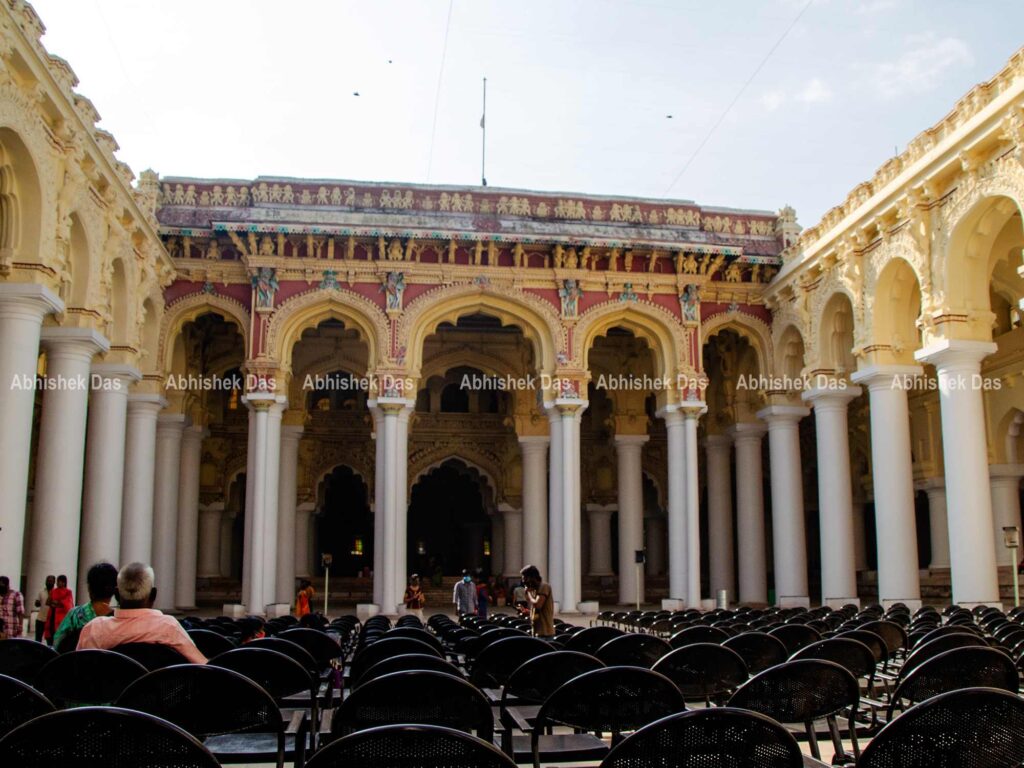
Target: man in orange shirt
<point>136,621</point>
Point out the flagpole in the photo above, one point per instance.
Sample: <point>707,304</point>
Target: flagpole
<point>483,146</point>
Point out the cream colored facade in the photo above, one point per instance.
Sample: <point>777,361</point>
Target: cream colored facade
<point>353,312</point>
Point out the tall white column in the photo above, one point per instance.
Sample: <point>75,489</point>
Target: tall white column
<point>789,535</point>
<point>104,466</point>
<point>572,577</point>
<point>677,552</point>
<point>629,449</point>
<point>893,480</point>
<point>513,527</point>
<point>139,473</point>
<point>402,506</point>
<point>60,459</point>
<point>535,501</point>
<point>938,526</point>
<point>210,517</point>
<point>599,518</point>
<point>187,552</point>
<point>556,521</point>
<point>169,429</point>
<point>393,469</point>
<point>969,503</point>
<point>1005,484</point>
<point>691,413</point>
<point>835,493</point>
<point>286,514</point>
<point>22,308</point>
<point>752,547</point>
<point>654,532</point>
<point>379,544</point>
<point>302,516</point>
<point>721,561</point>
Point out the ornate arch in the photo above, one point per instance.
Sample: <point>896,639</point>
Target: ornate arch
<point>488,464</point>
<point>326,467</point>
<point>310,308</point>
<point>751,328</point>
<point>535,316</point>
<point>189,307</point>
<point>490,364</point>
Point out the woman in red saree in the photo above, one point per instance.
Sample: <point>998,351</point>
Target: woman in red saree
<point>61,601</point>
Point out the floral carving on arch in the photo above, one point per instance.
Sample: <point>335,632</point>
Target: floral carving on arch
<point>1004,178</point>
<point>188,307</point>
<point>487,463</point>
<point>754,329</point>
<point>831,284</point>
<point>784,318</point>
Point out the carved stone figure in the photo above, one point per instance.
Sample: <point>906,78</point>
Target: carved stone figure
<point>265,284</point>
<point>394,286</point>
<point>690,303</point>
<point>570,294</point>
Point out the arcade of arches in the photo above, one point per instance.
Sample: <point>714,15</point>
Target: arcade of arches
<point>231,378</point>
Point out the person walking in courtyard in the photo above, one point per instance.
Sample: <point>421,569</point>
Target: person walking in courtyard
<point>542,606</point>
<point>464,595</point>
<point>102,583</point>
<point>414,598</point>
<point>12,608</point>
<point>483,597</point>
<point>60,602</point>
<point>42,603</point>
<point>304,598</point>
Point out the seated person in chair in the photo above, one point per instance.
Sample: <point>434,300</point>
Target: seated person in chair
<point>102,581</point>
<point>135,620</point>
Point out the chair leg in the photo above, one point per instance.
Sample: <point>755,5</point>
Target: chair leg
<point>840,757</point>
<point>812,739</point>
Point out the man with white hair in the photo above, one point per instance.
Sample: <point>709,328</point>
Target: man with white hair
<point>136,621</point>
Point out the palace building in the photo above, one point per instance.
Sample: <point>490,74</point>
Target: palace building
<point>231,378</point>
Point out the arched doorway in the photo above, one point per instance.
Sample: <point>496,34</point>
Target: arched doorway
<point>344,526</point>
<point>448,526</point>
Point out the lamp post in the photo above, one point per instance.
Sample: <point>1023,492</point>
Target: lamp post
<point>326,558</point>
<point>1011,538</point>
<point>640,557</point>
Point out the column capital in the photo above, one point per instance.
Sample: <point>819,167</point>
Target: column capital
<point>534,442</point>
<point>637,440</point>
<point>75,342</point>
<point>882,377</point>
<point>783,413</point>
<point>949,353</point>
<point>291,432</point>
<point>831,397</point>
<point>265,401</point>
<point>391,405</point>
<point>166,421</point>
<point>565,406</point>
<point>1006,471</point>
<point>126,374</point>
<point>930,484</point>
<point>28,301</point>
<point>717,441</point>
<point>677,412</point>
<point>306,507</point>
<point>151,403</point>
<point>195,432</point>
<point>507,509</point>
<point>752,430</point>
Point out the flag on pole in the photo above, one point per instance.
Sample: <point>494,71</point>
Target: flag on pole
<point>482,118</point>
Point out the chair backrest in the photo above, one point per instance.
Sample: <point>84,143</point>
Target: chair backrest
<point>851,654</point>
<point>718,737</point>
<point>893,634</point>
<point>19,703</point>
<point>69,641</point>
<point>759,650</point>
<point>205,700</point>
<point>703,670</point>
<point>210,643</point>
<point>612,700</point>
<point>151,655</point>
<point>103,736</point>
<point>698,634</point>
<point>969,728</point>
<point>495,662</point>
<point>22,658</point>
<point>592,638</point>
<point>321,646</point>
<point>385,648</point>
<point>416,697</point>
<point>958,668</point>
<point>292,650</point>
<point>274,672</point>
<point>795,636</point>
<point>940,644</point>
<point>407,662</point>
<point>541,676</point>
<point>411,746</point>
<point>416,633</point>
<point>633,650</point>
<point>87,677</point>
<point>799,691</point>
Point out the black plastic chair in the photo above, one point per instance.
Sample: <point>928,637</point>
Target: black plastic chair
<point>87,677</point>
<point>941,644</point>
<point>802,692</point>
<point>633,650</point>
<point>152,656</point>
<point>592,638</point>
<point>969,728</point>
<point>704,671</point>
<point>416,633</point>
<point>19,703</point>
<point>210,643</point>
<point>496,661</point>
<point>612,700</point>
<point>955,669</point>
<point>709,737</point>
<point>411,746</point>
<point>407,662</point>
<point>102,736</point>
<point>419,698</point>
<point>759,650</point>
<point>320,645</point>
<point>848,653</point>
<point>22,658</point>
<point>237,720</point>
<point>795,636</point>
<point>698,634</point>
<point>894,636</point>
<point>292,650</point>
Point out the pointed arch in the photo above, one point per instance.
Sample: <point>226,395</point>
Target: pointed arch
<point>751,328</point>
<point>189,308</point>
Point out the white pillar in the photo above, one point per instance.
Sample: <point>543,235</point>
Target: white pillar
<point>691,413</point>
<point>893,481</point>
<point>535,501</point>
<point>599,518</point>
<point>971,529</point>
<point>677,568</point>
<point>935,487</point>
<point>654,532</point>
<point>835,493</point>
<point>187,551</point>
<point>753,559</point>
<point>286,513</point>
<point>402,507</point>
<point>104,466</point>
<point>789,536</point>
<point>210,516</point>
<point>570,411</point>
<point>60,459</point>
<point>169,428</point>
<point>139,474</point>
<point>22,308</point>
<point>556,520</point>
<point>629,450</point>
<point>513,528</point>
<point>393,468</point>
<point>717,449</point>
<point>302,516</point>
<point>1005,484</point>
<point>379,544</point>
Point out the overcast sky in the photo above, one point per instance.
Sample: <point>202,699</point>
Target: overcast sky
<point>578,92</point>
